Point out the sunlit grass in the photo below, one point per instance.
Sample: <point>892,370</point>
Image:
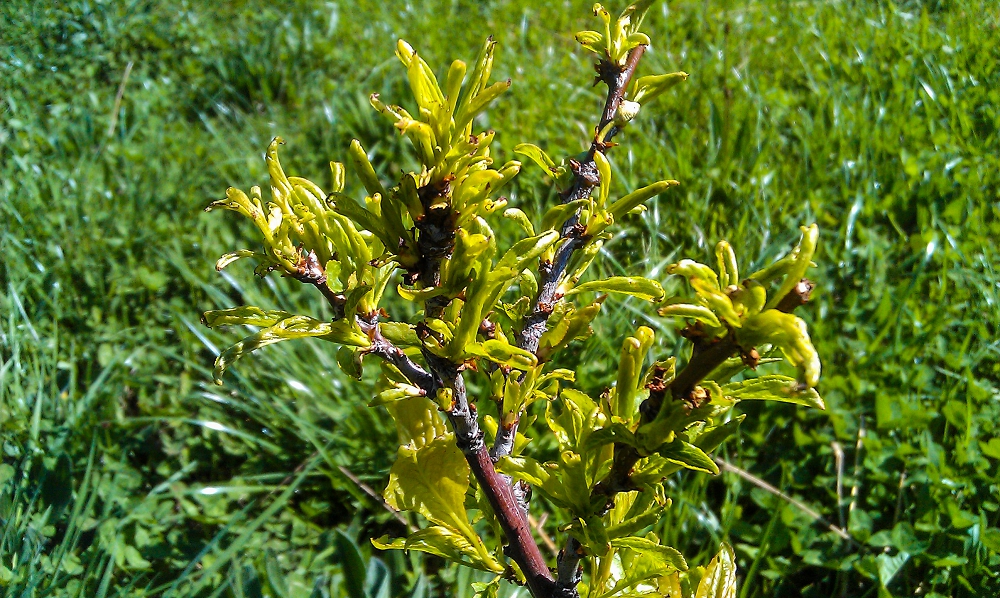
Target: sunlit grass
<point>877,120</point>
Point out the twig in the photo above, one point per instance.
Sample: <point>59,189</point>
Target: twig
<point>856,488</point>
<point>585,179</point>
<point>838,454</point>
<point>118,100</point>
<point>499,491</point>
<point>746,475</point>
<point>376,497</point>
<point>538,525</point>
<point>114,110</point>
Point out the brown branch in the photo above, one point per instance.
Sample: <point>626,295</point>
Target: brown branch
<point>704,360</point>
<point>510,514</point>
<point>585,179</point>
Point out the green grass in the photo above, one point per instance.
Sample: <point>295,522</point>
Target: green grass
<point>125,470</point>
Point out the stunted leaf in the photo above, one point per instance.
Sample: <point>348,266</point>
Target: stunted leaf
<point>626,204</point>
<point>537,155</point>
<point>364,169</point>
<point>790,334</point>
<point>555,216</point>
<point>503,353</point>
<point>525,250</point>
<point>591,40</point>
<point>627,386</point>
<point>798,262</point>
<point>648,88</point>
<point>479,103</point>
<point>636,286</point>
<point>774,388</point>
<point>521,219</point>
<point>342,331</point>
<point>604,169</point>
<point>729,272</point>
<point>698,313</point>
<point>229,258</point>
<point>245,315</point>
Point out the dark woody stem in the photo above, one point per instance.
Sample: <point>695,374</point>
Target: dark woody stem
<point>508,507</point>
<point>585,179</point>
<point>509,511</point>
<point>704,360</point>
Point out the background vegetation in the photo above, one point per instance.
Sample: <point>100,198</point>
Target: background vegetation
<point>126,472</point>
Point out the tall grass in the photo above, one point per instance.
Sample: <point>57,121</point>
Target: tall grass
<point>126,472</point>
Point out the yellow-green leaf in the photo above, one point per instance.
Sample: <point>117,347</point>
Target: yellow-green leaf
<point>245,315</point>
<point>342,331</point>
<point>719,580</point>
<point>773,388</point>
<point>431,480</point>
<point>636,286</point>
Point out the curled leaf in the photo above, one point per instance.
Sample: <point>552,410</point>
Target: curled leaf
<point>646,89</point>
<point>625,205</point>
<point>245,315</point>
<point>503,353</point>
<point>342,331</point>
<point>591,40</point>
<point>537,155</point>
<point>790,334</point>
<point>637,286</point>
<point>698,313</point>
<point>229,258</point>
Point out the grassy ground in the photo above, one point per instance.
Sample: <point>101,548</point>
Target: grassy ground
<point>126,471</point>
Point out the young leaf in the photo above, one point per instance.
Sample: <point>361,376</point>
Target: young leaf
<point>537,155</point>
<point>773,388</point>
<point>432,480</point>
<point>342,331</point>
<point>637,286</point>
<point>689,456</point>
<point>246,315</point>
<point>503,353</point>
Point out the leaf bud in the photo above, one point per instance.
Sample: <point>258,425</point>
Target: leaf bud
<point>627,110</point>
